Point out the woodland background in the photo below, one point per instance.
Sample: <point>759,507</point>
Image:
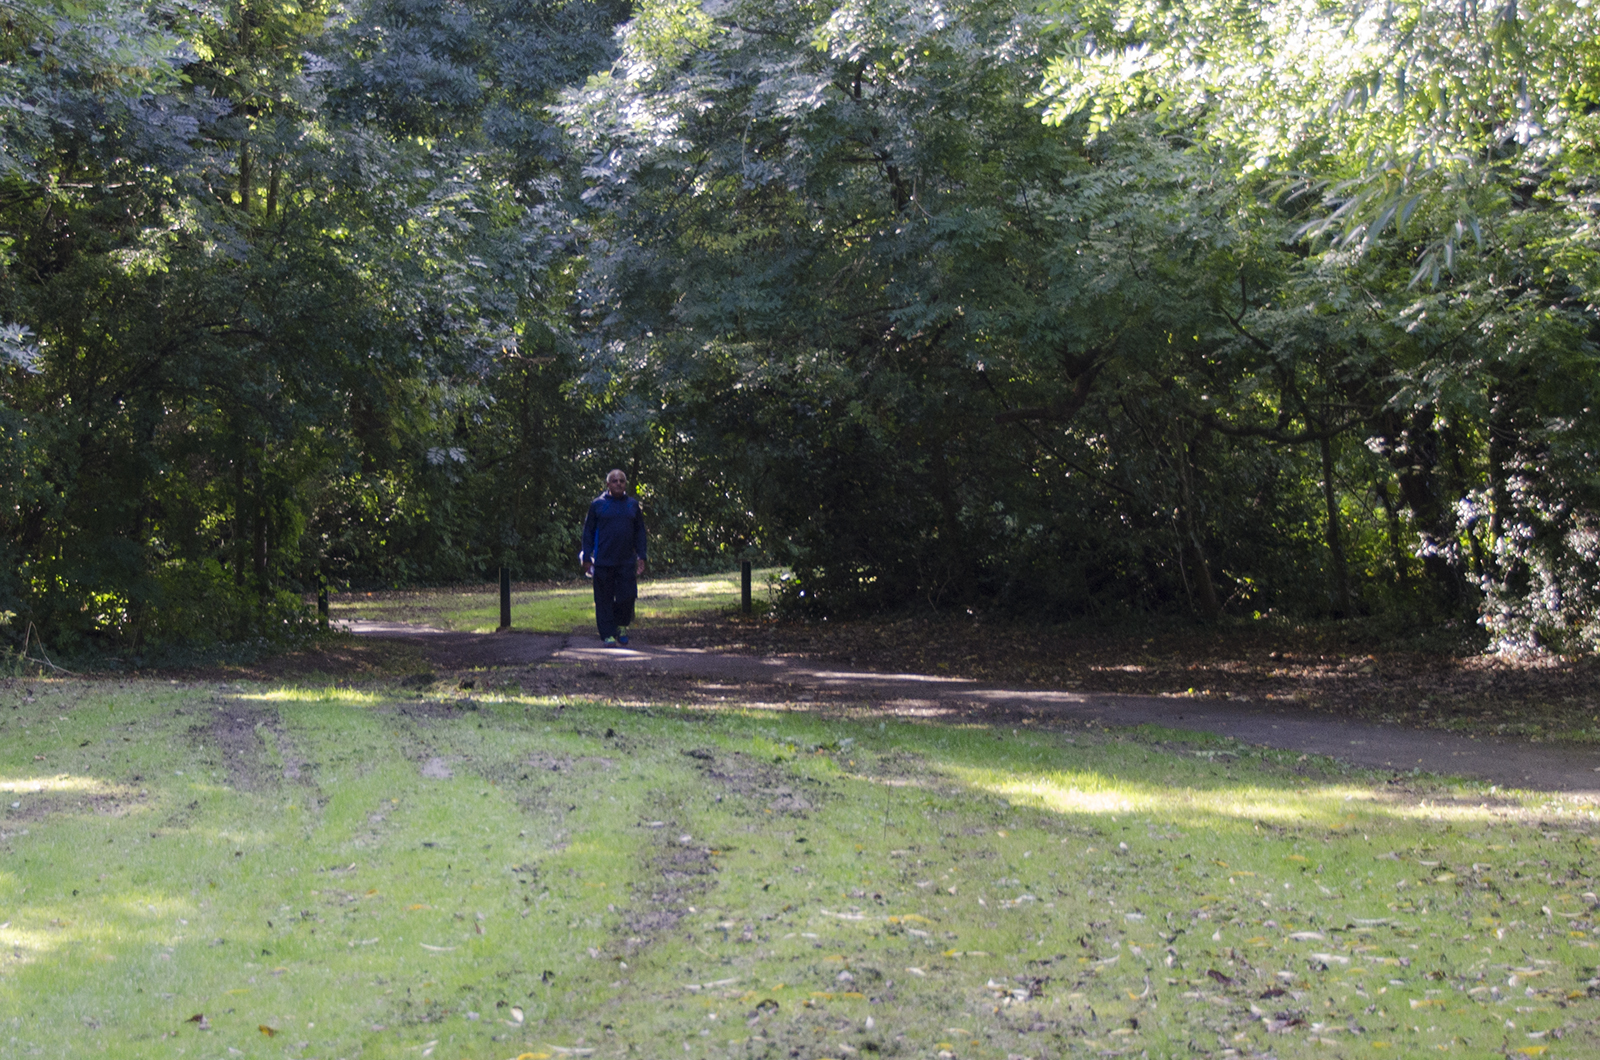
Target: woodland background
<point>1099,309</point>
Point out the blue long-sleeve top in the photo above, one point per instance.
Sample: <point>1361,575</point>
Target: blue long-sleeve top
<point>613,532</point>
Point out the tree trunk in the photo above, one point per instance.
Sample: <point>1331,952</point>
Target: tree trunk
<point>239,503</point>
<point>272,190</point>
<point>1205,590</point>
<point>1341,572</point>
<point>259,545</point>
<point>1412,448</point>
<point>1397,552</point>
<point>244,176</point>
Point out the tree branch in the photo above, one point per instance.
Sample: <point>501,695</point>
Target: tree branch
<point>1275,433</point>
<point>1063,409</point>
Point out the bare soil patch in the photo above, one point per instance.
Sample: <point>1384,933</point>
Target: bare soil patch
<point>437,768</point>
<point>763,783</point>
<point>34,806</point>
<point>681,872</point>
<point>237,734</point>
<point>337,657</point>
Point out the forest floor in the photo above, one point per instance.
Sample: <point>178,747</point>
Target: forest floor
<point>1339,670</point>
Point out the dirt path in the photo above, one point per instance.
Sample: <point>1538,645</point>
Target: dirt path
<point>695,674</point>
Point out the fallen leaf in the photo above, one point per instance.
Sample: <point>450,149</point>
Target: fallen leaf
<point>268,1031</point>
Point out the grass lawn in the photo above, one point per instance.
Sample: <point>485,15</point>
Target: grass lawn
<point>270,869</point>
<point>545,608</point>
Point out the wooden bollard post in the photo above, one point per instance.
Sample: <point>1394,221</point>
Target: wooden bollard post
<point>744,586</point>
<point>505,597</point>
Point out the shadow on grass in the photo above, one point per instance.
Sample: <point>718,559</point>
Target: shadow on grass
<point>493,872</point>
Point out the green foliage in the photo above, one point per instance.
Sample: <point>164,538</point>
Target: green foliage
<point>856,267</point>
<point>1431,155</point>
<point>1249,321</point>
<point>1099,308</point>
<point>275,285</point>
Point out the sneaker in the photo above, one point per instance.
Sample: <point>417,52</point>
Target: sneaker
<point>610,642</point>
<point>622,635</point>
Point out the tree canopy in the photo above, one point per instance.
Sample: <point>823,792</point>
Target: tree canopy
<point>1087,309</point>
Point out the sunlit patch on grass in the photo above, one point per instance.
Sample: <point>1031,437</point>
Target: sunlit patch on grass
<point>24,945</point>
<point>1086,792</point>
<point>65,783</point>
<point>148,907</point>
<point>546,610</point>
<point>290,694</point>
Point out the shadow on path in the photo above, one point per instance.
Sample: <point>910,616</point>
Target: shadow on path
<point>1506,762</point>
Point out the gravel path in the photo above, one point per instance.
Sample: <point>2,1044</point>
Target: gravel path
<point>1506,762</point>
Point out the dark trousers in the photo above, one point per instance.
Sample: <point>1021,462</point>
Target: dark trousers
<point>615,590</point>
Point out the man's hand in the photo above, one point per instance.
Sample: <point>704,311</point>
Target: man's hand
<point>588,568</point>
<point>638,567</point>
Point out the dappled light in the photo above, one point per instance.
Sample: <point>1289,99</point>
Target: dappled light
<point>296,694</point>
<point>552,608</point>
<point>1330,806</point>
<point>63,782</point>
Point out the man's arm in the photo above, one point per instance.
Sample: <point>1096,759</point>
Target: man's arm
<point>586,553</point>
<point>640,541</point>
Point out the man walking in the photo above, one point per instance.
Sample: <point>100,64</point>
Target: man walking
<point>613,555</point>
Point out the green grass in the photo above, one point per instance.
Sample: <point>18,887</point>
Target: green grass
<point>549,609</point>
<point>359,871</point>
